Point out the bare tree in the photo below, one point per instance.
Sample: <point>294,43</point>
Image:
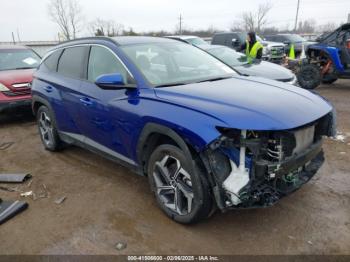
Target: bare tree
<point>100,27</point>
<point>328,27</point>
<point>262,12</point>
<point>67,15</point>
<point>255,21</point>
<point>307,26</point>
<point>248,19</point>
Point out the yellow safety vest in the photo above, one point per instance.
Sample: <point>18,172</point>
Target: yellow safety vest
<point>254,51</point>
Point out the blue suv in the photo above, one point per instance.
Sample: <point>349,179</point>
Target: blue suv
<point>205,136</point>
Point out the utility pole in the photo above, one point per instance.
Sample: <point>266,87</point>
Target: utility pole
<point>348,18</point>
<point>18,38</point>
<point>180,24</point>
<point>13,38</point>
<point>296,17</point>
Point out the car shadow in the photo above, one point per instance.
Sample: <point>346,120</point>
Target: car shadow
<point>16,116</point>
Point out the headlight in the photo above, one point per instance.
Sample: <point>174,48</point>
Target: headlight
<point>266,50</point>
<point>3,88</point>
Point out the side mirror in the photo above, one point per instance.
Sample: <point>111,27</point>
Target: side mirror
<point>112,81</point>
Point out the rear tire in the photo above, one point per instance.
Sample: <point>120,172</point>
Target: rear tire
<point>47,130</point>
<point>309,76</point>
<point>181,189</point>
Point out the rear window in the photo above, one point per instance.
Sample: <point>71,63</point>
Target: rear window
<point>72,61</point>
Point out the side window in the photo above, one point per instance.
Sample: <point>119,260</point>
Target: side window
<point>50,63</point>
<point>341,38</point>
<point>72,61</point>
<point>102,61</point>
<point>272,38</point>
<point>219,39</point>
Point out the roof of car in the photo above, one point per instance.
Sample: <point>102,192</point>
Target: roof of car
<point>345,26</point>
<point>129,40</point>
<point>118,40</point>
<point>15,47</point>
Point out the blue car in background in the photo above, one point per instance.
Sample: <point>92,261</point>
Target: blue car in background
<point>331,54</point>
<point>204,136</point>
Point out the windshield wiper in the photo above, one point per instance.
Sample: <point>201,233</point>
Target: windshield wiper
<point>171,84</point>
<point>214,79</point>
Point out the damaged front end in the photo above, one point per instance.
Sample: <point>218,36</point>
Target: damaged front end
<point>257,168</point>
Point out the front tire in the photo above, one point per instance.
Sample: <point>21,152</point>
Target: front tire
<point>180,188</point>
<point>309,76</point>
<point>47,130</point>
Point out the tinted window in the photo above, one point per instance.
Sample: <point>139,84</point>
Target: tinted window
<point>219,39</point>
<point>102,61</point>
<point>72,62</point>
<point>294,38</point>
<point>51,61</point>
<point>280,38</point>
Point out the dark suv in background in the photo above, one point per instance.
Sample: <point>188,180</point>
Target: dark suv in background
<point>288,40</point>
<point>273,52</point>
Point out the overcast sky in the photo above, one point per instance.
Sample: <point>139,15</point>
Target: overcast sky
<point>30,17</point>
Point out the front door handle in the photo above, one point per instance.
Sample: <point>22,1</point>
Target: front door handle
<point>86,101</point>
<point>48,89</point>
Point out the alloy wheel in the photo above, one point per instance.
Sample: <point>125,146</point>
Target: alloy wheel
<point>173,185</point>
<point>46,130</point>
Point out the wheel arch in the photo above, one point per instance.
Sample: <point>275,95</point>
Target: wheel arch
<point>37,102</point>
<point>331,52</point>
<point>154,135</point>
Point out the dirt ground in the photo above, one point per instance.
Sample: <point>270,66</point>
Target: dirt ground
<point>107,204</point>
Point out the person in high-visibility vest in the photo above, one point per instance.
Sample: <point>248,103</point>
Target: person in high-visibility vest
<point>253,48</point>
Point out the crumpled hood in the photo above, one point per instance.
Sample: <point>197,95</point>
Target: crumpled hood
<point>249,102</point>
<point>265,69</point>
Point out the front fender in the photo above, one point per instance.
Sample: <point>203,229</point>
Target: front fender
<point>193,127</point>
<point>332,52</point>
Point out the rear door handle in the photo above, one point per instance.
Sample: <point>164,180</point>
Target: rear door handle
<point>48,89</point>
<point>86,101</point>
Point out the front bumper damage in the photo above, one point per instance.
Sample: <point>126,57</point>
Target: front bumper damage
<point>250,169</point>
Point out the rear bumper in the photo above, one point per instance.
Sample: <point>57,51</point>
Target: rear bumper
<point>5,105</point>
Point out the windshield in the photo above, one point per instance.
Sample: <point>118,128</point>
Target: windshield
<point>295,38</point>
<point>196,41</point>
<point>175,63</point>
<point>228,56</point>
<point>12,59</point>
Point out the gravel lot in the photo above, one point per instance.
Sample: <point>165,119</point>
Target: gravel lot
<point>107,204</point>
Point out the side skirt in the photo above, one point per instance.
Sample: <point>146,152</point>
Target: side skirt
<point>88,144</point>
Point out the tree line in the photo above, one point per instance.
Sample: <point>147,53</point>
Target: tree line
<point>68,15</point>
